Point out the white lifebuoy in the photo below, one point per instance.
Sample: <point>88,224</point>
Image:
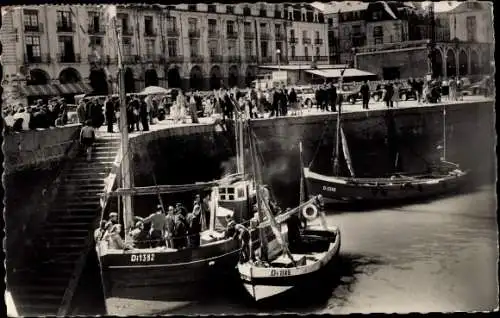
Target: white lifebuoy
<point>310,212</point>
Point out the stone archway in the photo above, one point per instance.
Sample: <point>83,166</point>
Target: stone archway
<point>439,63</point>
<point>174,78</point>
<point>215,77</point>
<point>98,82</point>
<point>462,63</point>
<point>69,75</point>
<point>250,75</point>
<point>129,81</point>
<point>451,66</point>
<point>474,62</point>
<point>38,77</point>
<point>151,78</point>
<point>196,78</point>
<point>233,76</point>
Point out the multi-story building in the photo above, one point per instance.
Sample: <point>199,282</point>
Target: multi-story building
<point>198,46</point>
<point>369,33</point>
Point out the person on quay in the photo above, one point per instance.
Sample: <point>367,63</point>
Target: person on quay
<point>81,111</point>
<point>395,94</point>
<point>388,95</point>
<point>332,95</point>
<point>365,94</point>
<point>194,226</point>
<point>181,105</point>
<point>192,109</point>
<point>144,114</point>
<point>87,138</point>
<point>170,227</point>
<point>158,223</point>
<point>110,113</point>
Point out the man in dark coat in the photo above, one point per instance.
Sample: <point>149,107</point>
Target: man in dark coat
<point>389,91</point>
<point>284,102</point>
<point>110,113</point>
<point>365,94</point>
<point>143,114</point>
<point>194,226</point>
<point>332,95</point>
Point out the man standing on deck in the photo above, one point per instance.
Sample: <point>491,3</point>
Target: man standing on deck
<point>194,228</point>
<point>180,230</point>
<point>170,227</point>
<point>158,224</point>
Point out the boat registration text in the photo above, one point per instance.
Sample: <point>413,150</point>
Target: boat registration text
<point>139,258</point>
<point>329,189</point>
<point>280,272</point>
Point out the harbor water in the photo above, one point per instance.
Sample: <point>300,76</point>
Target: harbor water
<point>439,255</point>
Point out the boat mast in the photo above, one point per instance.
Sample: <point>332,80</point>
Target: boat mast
<point>444,133</point>
<point>262,234</point>
<point>336,166</point>
<point>242,155</point>
<point>302,181</point>
<point>125,164</point>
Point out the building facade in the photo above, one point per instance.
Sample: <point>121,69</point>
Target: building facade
<point>390,38</point>
<point>196,46</point>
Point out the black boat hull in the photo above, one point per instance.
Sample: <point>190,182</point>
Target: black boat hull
<point>346,190</point>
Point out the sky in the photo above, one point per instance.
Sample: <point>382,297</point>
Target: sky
<point>439,6</point>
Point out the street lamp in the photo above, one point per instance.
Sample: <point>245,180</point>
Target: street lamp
<point>278,52</point>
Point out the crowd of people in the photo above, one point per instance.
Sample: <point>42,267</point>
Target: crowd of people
<point>40,115</point>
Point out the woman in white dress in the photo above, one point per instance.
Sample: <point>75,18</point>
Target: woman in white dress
<point>395,95</point>
<point>181,108</point>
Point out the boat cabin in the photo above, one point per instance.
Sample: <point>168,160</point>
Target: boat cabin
<point>239,197</point>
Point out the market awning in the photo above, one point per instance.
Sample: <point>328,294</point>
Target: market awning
<point>74,88</point>
<point>335,73</point>
<point>40,90</point>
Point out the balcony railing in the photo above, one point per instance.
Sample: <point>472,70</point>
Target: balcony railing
<point>321,58</point>
<point>264,36</point>
<point>68,58</point>
<point>175,59</point>
<point>392,46</point>
<point>300,59</point>
<point>172,33</point>
<point>93,59</point>
<point>33,28</point>
<point>128,31</point>
<point>213,34</point>
<point>148,58</point>
<point>306,41</point>
<point>318,41</point>
<point>65,27</point>
<point>194,33</point>
<point>216,58</point>
<point>249,35</point>
<point>151,32</point>
<point>267,59</point>
<point>280,36</point>
<point>251,59</point>
<point>294,40</point>
<point>131,59</point>
<point>197,58</point>
<point>234,59</point>
<point>44,58</point>
<point>232,35</point>
<point>95,30</point>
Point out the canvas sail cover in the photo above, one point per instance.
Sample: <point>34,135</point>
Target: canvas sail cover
<point>347,155</point>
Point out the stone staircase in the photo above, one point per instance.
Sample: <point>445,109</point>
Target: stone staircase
<point>47,285</point>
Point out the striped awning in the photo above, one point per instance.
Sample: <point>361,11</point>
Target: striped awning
<point>40,90</point>
<point>74,88</point>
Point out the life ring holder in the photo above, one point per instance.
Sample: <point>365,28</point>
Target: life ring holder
<point>310,212</point>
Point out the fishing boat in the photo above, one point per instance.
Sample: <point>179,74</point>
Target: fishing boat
<point>169,273</point>
<point>304,257</point>
<point>440,178</point>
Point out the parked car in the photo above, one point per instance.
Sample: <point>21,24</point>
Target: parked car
<point>350,93</point>
<point>72,114</point>
<point>406,93</point>
<point>305,95</point>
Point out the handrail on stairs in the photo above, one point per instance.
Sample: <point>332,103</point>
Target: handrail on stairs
<point>77,272</point>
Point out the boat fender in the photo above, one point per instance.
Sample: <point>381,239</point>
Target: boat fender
<point>310,212</point>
